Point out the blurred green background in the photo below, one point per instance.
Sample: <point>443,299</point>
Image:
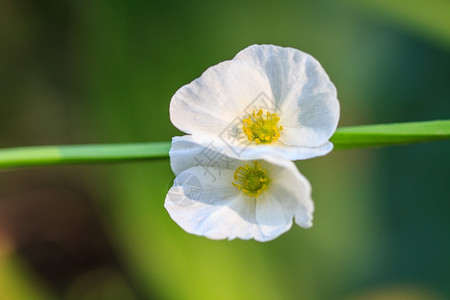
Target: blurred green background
<point>104,72</point>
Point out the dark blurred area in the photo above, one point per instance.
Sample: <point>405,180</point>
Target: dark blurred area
<point>48,220</point>
<point>104,72</point>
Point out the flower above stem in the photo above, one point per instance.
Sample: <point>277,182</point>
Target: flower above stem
<point>240,104</point>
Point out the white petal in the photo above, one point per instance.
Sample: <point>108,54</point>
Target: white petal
<point>204,202</point>
<point>302,90</point>
<point>288,195</point>
<point>222,94</point>
<point>216,209</point>
<point>290,152</point>
<point>293,190</point>
<point>185,153</point>
<point>271,216</point>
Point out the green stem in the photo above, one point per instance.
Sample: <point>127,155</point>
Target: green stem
<point>81,154</point>
<point>344,138</point>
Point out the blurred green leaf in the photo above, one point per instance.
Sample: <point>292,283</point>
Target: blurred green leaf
<point>429,18</point>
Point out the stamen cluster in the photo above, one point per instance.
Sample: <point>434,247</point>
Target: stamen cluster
<point>262,129</point>
<point>251,179</point>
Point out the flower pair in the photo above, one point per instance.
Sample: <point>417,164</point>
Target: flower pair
<point>247,119</point>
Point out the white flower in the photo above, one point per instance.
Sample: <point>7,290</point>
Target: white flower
<point>267,99</point>
<point>221,197</point>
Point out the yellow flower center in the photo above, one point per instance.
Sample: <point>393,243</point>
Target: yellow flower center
<point>262,128</point>
<point>251,179</point>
